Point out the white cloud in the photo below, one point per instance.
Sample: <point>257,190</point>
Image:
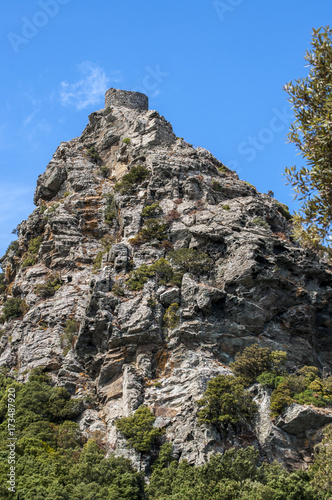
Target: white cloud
<point>90,87</point>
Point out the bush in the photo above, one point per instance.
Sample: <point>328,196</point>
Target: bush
<point>284,210</point>
<point>321,469</point>
<point>177,279</point>
<point>251,363</point>
<point>93,154</point>
<point>153,229</point>
<point>52,208</point>
<point>49,288</point>
<point>191,260</point>
<point>216,186</point>
<point>250,185</point>
<point>118,290</point>
<point>259,221</point>
<point>110,209</point>
<point>151,302</point>
<point>2,283</point>
<point>163,271</point>
<point>151,211</point>
<point>139,277</point>
<point>129,182</point>
<point>105,171</point>
<point>254,360</point>
<point>269,379</point>
<point>160,270</point>
<point>171,318</point>
<point>172,216</point>
<point>226,207</point>
<point>281,398</point>
<point>304,387</point>
<point>68,337</point>
<point>98,259</point>
<point>13,308</point>
<point>126,140</point>
<point>138,429</point>
<point>236,474</point>
<point>226,402</point>
<point>28,260</point>
<point>71,328</point>
<point>34,245</point>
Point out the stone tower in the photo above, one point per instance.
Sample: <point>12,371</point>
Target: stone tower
<point>127,99</point>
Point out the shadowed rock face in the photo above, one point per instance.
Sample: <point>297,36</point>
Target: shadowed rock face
<point>260,286</point>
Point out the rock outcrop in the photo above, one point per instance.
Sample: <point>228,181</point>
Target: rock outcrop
<point>260,286</point>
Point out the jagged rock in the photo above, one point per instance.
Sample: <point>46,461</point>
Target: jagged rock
<point>262,286</point>
<point>298,419</point>
<point>170,296</point>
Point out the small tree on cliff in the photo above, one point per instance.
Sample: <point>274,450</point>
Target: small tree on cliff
<point>311,132</point>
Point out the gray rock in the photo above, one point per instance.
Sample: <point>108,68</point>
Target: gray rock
<point>261,287</point>
<point>170,296</point>
<point>298,419</point>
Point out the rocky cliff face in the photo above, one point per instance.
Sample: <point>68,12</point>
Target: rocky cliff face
<point>110,343</point>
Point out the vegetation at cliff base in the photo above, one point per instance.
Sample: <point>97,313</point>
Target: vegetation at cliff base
<point>237,474</point>
<point>54,461</point>
<point>321,470</point>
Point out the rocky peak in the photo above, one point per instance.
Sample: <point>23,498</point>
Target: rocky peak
<point>115,316</point>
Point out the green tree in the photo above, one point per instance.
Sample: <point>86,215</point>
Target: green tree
<point>139,430</point>
<point>13,308</point>
<point>226,402</point>
<point>191,260</point>
<point>311,132</point>
<point>255,360</point>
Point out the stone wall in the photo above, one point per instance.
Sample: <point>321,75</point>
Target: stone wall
<point>127,99</point>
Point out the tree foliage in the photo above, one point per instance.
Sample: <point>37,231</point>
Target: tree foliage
<point>255,360</point>
<point>138,429</point>
<point>226,402</point>
<point>235,474</point>
<point>53,461</point>
<point>311,132</point>
<point>191,260</point>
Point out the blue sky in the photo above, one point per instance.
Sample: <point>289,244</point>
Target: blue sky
<point>214,69</point>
